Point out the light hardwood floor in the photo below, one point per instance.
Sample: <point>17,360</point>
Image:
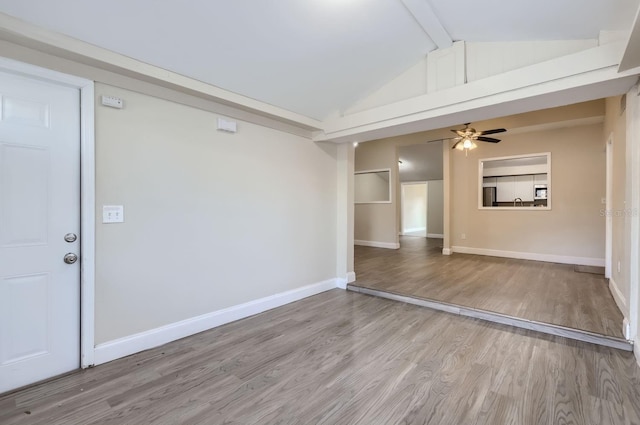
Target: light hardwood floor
<point>347,358</point>
<point>533,290</point>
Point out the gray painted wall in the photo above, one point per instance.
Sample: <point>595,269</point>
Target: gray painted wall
<point>421,162</point>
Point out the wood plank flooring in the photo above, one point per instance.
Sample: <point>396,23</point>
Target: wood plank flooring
<point>543,292</point>
<point>347,358</point>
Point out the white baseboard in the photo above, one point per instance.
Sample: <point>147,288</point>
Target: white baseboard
<point>415,229</point>
<point>446,251</point>
<point>132,344</point>
<point>626,329</point>
<point>549,258</point>
<point>618,297</point>
<point>388,245</point>
<point>351,277</point>
<point>343,282</point>
<point>435,235</point>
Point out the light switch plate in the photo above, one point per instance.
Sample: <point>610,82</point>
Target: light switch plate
<point>113,214</point>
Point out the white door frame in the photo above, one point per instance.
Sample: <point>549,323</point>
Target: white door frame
<point>87,194</point>
<point>608,251</point>
<point>632,208</point>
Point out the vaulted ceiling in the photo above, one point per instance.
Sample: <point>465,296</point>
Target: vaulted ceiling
<point>313,57</point>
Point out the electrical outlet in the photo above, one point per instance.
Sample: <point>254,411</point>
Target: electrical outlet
<point>463,236</point>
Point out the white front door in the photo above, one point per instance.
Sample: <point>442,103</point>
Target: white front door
<point>39,205</point>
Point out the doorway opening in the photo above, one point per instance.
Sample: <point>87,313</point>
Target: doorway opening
<point>421,191</point>
<point>414,205</point>
<point>537,265</point>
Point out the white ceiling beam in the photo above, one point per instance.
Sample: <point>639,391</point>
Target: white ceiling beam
<point>429,21</point>
<point>582,76</point>
<point>631,56</point>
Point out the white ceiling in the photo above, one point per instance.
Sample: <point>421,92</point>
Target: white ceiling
<point>313,57</point>
<point>520,20</point>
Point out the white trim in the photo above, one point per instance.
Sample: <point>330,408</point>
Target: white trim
<point>446,201</point>
<point>608,249</point>
<point>415,229</point>
<point>618,297</point>
<point>429,22</point>
<point>481,176</point>
<point>526,155</point>
<point>351,277</point>
<point>342,282</point>
<point>132,344</point>
<point>579,76</point>
<point>87,226</point>
<point>435,235</point>
<point>87,195</point>
<point>626,329</point>
<point>550,258</point>
<point>632,196</point>
<point>375,244</point>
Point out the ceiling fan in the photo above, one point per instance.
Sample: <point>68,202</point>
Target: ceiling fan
<point>468,136</point>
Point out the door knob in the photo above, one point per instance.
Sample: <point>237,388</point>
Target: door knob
<point>70,237</point>
<point>70,258</point>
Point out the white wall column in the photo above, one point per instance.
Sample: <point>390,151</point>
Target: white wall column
<point>446,183</point>
<point>633,209</point>
<point>344,226</point>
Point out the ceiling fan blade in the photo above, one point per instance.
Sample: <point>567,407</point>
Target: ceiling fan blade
<point>459,132</point>
<point>456,144</point>
<point>488,139</point>
<point>494,131</point>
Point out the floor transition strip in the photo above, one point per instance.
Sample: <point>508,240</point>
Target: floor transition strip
<point>547,328</point>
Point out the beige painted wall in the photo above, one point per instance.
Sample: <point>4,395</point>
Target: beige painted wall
<point>377,222</point>
<point>615,126</point>
<point>381,223</point>
<point>191,244</point>
<point>371,187</point>
<point>435,208</point>
<point>574,227</point>
<point>212,219</point>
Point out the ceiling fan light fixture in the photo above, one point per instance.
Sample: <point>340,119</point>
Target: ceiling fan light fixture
<point>468,144</point>
<point>467,137</point>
